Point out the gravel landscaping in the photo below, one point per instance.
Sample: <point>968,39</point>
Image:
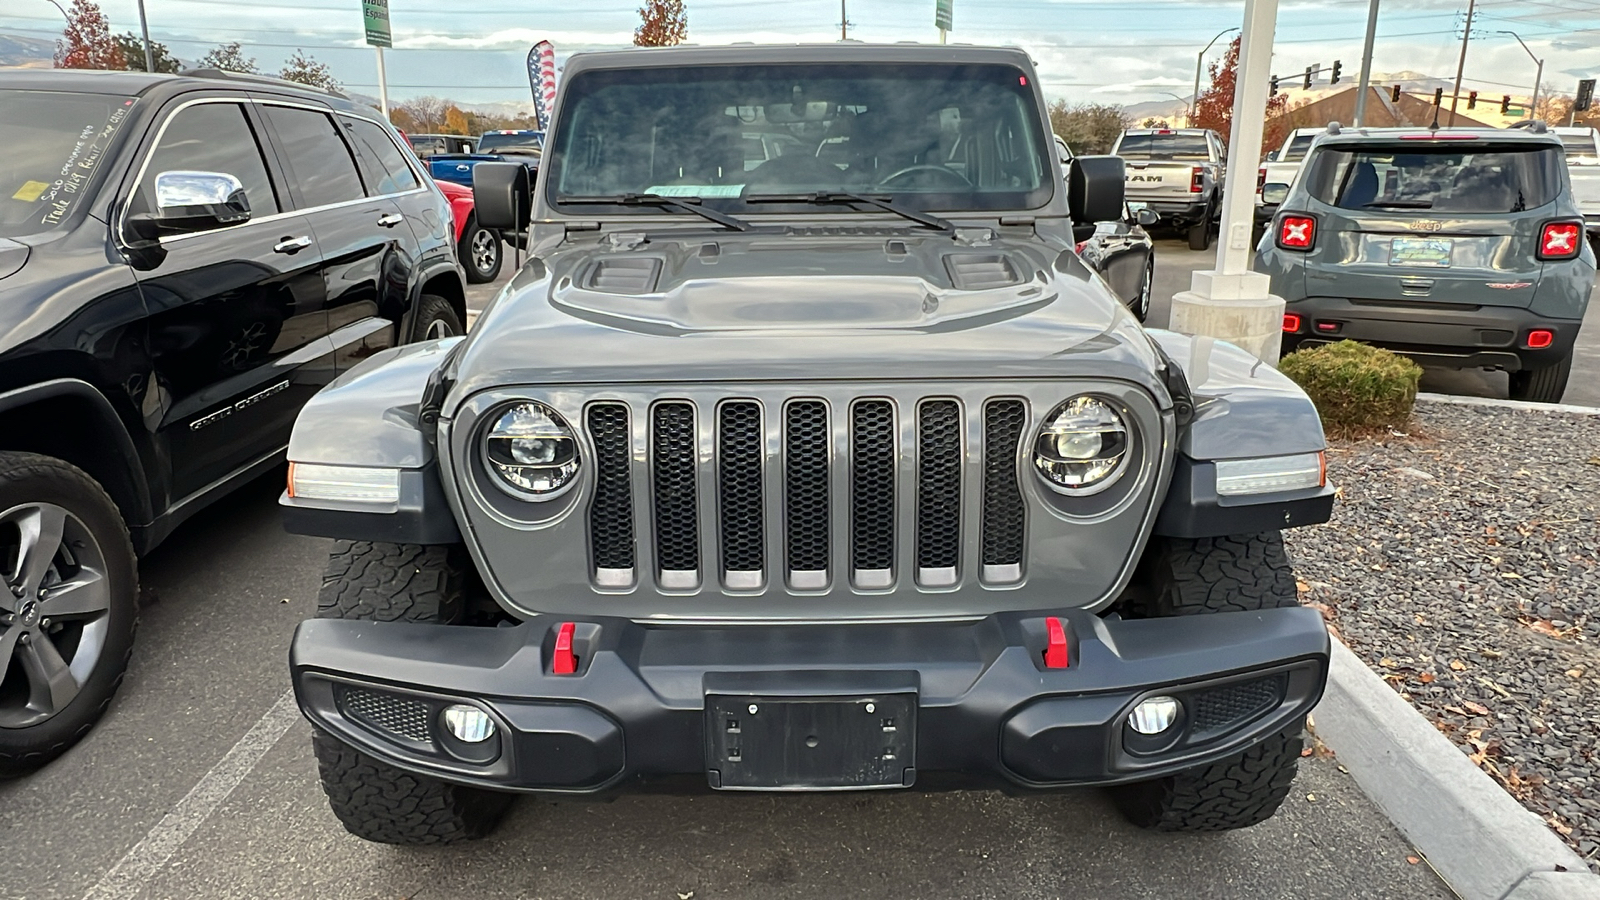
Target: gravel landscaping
<point>1463,565</point>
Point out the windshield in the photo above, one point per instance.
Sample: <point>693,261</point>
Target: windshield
<point>1479,179</point>
<point>1297,148</point>
<point>524,142</point>
<point>1579,146</point>
<point>1163,146</point>
<point>54,144</point>
<point>929,136</point>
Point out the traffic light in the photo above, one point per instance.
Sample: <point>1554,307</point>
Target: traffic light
<point>1505,105</point>
<point>1337,68</point>
<point>1274,86</point>
<point>1394,95</point>
<point>1438,96</point>
<point>1472,100</point>
<point>1585,97</point>
<point>1309,70</point>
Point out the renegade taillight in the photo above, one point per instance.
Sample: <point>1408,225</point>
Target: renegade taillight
<point>1560,240</point>
<point>1297,232</point>
<point>1197,180</point>
<point>1291,323</point>
<point>1540,338</point>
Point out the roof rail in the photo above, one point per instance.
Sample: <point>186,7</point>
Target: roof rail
<point>224,75</point>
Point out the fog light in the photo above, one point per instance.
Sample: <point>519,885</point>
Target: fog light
<point>1154,715</point>
<point>469,724</point>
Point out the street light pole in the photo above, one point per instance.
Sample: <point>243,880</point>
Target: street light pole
<point>1533,105</point>
<point>1366,64</point>
<point>1198,62</point>
<point>1188,107</point>
<point>144,28</point>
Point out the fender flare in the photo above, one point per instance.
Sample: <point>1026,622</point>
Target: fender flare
<point>141,510</point>
<point>414,294</point>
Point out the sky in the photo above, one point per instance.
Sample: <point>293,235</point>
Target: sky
<point>1110,51</point>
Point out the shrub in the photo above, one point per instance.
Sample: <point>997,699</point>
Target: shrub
<point>1357,387</point>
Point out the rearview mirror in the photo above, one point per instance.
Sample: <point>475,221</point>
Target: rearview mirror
<point>1274,194</point>
<point>187,202</point>
<point>1096,189</point>
<point>502,195</point>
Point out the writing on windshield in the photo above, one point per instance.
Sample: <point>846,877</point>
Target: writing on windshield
<point>55,143</point>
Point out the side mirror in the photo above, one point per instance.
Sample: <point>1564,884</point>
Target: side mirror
<point>1274,194</point>
<point>1147,217</point>
<point>503,193</point>
<point>187,202</point>
<point>1096,189</point>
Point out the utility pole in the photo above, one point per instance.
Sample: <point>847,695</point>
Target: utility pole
<point>1366,64</point>
<point>844,23</point>
<point>1538,76</point>
<point>144,26</point>
<point>1461,64</point>
<point>1199,61</point>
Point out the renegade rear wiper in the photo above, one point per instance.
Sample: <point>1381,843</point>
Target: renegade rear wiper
<point>879,202</point>
<point>688,204</point>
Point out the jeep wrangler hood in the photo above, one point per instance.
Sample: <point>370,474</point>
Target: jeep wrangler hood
<point>717,307</point>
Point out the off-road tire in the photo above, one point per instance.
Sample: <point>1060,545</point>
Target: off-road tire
<point>1546,385</point>
<point>382,582</point>
<point>32,478</point>
<point>435,318</point>
<point>1197,576</point>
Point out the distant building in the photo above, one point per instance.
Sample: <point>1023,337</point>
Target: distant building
<point>1410,111</point>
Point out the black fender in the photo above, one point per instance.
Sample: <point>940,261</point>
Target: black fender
<point>448,268</point>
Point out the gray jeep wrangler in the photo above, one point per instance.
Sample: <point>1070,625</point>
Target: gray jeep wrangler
<point>836,472</point>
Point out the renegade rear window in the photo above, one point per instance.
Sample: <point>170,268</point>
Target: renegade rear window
<point>1477,178</point>
<point>1163,146</point>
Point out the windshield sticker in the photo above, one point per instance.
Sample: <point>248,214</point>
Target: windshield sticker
<point>30,191</point>
<point>696,190</point>
<point>80,165</point>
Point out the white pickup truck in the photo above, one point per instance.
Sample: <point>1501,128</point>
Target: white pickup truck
<point>1178,172</point>
<point>1281,166</point>
<point>1583,164</point>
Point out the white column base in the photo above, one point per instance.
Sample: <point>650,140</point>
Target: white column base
<point>1234,308</point>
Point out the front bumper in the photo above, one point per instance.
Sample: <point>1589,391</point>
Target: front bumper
<point>1492,337</point>
<point>983,708</point>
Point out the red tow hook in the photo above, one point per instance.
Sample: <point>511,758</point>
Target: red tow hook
<point>562,661</point>
<point>1055,650</point>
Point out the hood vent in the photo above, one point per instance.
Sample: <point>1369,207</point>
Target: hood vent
<point>634,275</point>
<point>981,271</point>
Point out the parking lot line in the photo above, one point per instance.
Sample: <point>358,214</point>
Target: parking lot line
<point>128,877</point>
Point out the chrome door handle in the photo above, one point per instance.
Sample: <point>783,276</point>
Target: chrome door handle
<point>391,220</point>
<point>292,245</point>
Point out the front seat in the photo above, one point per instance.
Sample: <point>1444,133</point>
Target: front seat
<point>1362,188</point>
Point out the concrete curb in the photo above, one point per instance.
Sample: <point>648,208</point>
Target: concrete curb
<point>1511,404</point>
<point>1481,841</point>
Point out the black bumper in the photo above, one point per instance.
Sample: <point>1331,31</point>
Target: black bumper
<point>1179,212</point>
<point>976,699</point>
<point>1463,337</point>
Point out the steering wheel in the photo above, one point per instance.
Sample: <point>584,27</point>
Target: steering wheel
<point>959,179</point>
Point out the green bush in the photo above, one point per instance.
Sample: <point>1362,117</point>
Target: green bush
<point>1356,387</point>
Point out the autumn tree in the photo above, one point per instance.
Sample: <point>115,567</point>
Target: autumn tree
<point>455,121</point>
<point>423,115</point>
<point>229,58</point>
<point>303,69</point>
<point>1088,128</point>
<point>1213,109</point>
<point>87,43</point>
<point>132,47</point>
<point>662,23</point>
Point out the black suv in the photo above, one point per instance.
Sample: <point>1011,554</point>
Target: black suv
<point>184,261</point>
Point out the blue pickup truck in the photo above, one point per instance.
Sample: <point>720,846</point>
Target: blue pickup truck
<point>524,146</point>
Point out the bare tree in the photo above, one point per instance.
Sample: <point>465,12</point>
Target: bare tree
<point>87,43</point>
<point>426,113</point>
<point>662,23</point>
<point>303,69</point>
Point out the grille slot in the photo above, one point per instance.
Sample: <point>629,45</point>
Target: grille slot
<point>1003,512</point>
<point>805,492</point>
<point>740,500</point>
<point>677,507</point>
<point>398,716</point>
<point>872,465</point>
<point>938,492</point>
<point>1220,708</point>
<point>611,514</point>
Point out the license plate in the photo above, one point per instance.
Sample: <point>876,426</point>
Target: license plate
<point>811,743</point>
<point>1427,253</point>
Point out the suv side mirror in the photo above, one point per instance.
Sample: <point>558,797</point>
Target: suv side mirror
<point>187,202</point>
<point>502,194</point>
<point>1147,217</point>
<point>1096,189</point>
<point>1274,194</point>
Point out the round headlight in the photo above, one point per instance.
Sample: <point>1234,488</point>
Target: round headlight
<point>1083,446</point>
<point>531,452</point>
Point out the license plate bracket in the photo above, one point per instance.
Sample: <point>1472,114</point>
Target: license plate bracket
<point>1423,253</point>
<point>811,743</point>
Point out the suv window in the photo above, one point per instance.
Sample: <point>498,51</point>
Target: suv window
<point>1164,146</point>
<point>211,137</point>
<point>318,159</point>
<point>1477,179</point>
<point>385,167</point>
<point>54,144</point>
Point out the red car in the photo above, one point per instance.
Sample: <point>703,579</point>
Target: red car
<point>477,247</point>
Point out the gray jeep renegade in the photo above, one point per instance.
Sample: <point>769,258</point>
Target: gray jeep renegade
<point>839,472</point>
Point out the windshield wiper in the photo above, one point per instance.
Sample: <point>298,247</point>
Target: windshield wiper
<point>878,202</point>
<point>688,204</point>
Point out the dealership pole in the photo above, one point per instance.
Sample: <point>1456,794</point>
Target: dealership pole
<point>1366,64</point>
<point>1231,302</point>
<point>383,84</point>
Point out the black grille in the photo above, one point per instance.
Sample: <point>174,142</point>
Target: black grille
<point>611,515</point>
<point>739,486</point>
<point>805,485</point>
<point>396,715</point>
<point>1002,498</point>
<point>872,485</point>
<point>938,484</point>
<point>1223,707</point>
<point>673,479</point>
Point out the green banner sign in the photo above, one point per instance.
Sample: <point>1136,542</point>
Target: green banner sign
<point>376,14</point>
<point>941,14</point>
